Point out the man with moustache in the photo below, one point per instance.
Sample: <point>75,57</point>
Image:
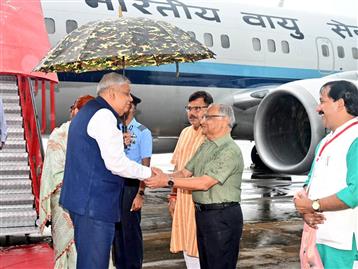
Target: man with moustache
<point>95,164</point>
<point>332,203</point>
<point>214,176</point>
<point>181,207</point>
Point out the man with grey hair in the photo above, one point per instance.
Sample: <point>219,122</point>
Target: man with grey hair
<point>95,164</point>
<point>214,175</point>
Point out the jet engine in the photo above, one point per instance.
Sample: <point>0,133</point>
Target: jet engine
<point>287,127</point>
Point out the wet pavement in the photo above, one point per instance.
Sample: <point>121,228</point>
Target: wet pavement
<point>263,245</point>
<point>272,228</point>
<point>268,199</point>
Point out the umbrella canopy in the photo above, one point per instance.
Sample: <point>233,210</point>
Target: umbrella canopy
<point>123,42</point>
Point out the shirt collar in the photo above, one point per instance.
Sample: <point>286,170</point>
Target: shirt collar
<point>103,102</point>
<point>222,140</point>
<point>133,122</point>
<point>344,125</point>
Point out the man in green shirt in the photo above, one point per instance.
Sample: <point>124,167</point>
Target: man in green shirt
<point>214,175</point>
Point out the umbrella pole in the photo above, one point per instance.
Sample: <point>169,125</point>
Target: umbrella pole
<point>123,66</point>
<point>124,128</point>
<point>177,69</point>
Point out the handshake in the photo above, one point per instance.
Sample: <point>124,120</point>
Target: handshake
<point>158,179</point>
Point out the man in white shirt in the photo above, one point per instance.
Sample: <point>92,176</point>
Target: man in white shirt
<point>332,203</point>
<point>95,165</point>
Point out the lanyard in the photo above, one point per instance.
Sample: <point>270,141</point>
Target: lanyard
<point>336,136</point>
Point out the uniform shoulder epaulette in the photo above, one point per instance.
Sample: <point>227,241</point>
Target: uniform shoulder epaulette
<point>142,127</point>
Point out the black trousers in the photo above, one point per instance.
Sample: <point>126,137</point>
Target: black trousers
<point>219,233</point>
<point>128,241</point>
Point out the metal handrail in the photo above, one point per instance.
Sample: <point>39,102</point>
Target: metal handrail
<point>38,132</point>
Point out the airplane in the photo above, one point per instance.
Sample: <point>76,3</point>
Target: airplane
<point>258,51</point>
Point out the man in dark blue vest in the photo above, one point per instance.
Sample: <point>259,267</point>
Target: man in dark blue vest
<point>95,165</point>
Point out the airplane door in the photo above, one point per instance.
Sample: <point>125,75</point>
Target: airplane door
<point>325,55</point>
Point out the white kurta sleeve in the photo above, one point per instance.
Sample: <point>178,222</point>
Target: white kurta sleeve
<point>103,128</point>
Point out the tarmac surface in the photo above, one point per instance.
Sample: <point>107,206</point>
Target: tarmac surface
<point>272,228</point>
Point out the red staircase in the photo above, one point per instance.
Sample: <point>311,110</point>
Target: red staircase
<point>22,45</point>
<point>22,156</point>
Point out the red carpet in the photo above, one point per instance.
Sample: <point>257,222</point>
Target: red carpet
<point>34,256</point>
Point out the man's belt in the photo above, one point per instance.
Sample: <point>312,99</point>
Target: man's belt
<point>205,207</point>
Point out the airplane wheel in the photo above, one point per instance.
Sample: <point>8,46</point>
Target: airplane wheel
<point>257,163</point>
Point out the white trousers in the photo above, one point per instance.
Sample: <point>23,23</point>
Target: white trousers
<point>191,261</point>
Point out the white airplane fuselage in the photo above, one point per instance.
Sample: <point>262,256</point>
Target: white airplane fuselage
<point>257,49</point>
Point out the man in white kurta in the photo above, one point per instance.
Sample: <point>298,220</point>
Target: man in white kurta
<point>181,206</point>
<point>332,203</point>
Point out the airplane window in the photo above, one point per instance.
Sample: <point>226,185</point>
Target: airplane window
<point>285,46</point>
<point>256,43</point>
<point>208,39</point>
<point>225,41</point>
<point>325,50</point>
<point>70,26</point>
<point>340,51</point>
<point>50,25</point>
<point>271,45</point>
<point>192,34</point>
<point>355,53</point>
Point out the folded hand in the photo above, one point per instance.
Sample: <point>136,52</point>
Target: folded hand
<point>302,203</point>
<point>312,219</point>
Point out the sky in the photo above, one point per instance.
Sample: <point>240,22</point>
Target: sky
<point>341,7</point>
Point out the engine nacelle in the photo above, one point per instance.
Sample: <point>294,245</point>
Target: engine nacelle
<point>287,127</point>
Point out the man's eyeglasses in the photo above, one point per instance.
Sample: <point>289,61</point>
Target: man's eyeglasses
<point>207,117</point>
<point>195,108</point>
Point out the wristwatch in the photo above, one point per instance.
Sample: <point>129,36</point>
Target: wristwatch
<point>141,193</point>
<point>171,182</point>
<point>316,206</point>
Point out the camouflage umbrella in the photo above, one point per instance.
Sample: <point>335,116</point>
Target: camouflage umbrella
<point>123,42</point>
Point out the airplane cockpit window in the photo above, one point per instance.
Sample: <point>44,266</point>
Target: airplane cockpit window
<point>71,25</point>
<point>208,39</point>
<point>271,45</point>
<point>256,43</point>
<point>50,25</point>
<point>355,53</point>
<point>225,41</point>
<point>285,47</point>
<point>192,34</point>
<point>340,51</point>
<point>325,50</point>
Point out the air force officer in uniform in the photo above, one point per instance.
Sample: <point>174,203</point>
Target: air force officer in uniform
<point>128,243</point>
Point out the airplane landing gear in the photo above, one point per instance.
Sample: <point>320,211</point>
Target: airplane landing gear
<point>257,163</point>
